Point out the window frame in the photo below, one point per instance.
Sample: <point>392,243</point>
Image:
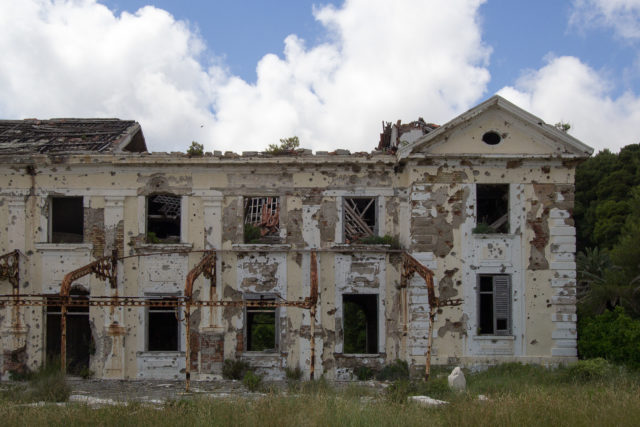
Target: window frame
<point>178,220</point>
<point>276,315</point>
<point>177,311</point>
<point>507,224</point>
<point>376,322</point>
<point>501,303</point>
<point>50,230</point>
<point>273,237</point>
<point>373,204</point>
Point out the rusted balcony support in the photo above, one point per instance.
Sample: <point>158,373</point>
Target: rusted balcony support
<point>411,266</point>
<point>206,267</point>
<point>105,268</point>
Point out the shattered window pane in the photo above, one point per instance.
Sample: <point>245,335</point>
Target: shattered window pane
<point>359,218</point>
<point>67,220</point>
<point>163,218</point>
<point>261,220</point>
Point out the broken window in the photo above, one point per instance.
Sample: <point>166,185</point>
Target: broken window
<point>494,296</point>
<point>163,218</point>
<point>359,218</point>
<point>492,208</point>
<point>66,220</point>
<point>261,220</point>
<point>163,326</point>
<point>260,325</point>
<point>360,323</point>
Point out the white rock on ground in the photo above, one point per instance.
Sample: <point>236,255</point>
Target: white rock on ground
<point>427,401</point>
<point>456,380</point>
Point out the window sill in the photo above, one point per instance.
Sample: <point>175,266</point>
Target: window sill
<point>494,338</point>
<point>251,354</point>
<point>160,354</point>
<point>359,247</point>
<point>163,247</point>
<point>360,355</point>
<point>260,247</point>
<point>63,246</point>
<point>494,235</point>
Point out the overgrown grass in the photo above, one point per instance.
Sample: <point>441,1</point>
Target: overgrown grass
<point>47,384</point>
<point>518,395</point>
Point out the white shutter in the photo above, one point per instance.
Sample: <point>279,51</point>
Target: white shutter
<point>502,304</point>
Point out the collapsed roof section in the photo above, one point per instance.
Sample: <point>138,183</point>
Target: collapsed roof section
<point>59,136</point>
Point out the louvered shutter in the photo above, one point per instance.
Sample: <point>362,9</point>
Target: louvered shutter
<point>502,305</point>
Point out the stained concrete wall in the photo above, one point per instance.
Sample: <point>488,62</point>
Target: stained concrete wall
<point>426,201</point>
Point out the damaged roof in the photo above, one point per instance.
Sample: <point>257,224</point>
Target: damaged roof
<point>57,136</point>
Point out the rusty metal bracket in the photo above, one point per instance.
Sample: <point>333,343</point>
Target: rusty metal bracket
<point>411,266</point>
<point>10,268</point>
<point>206,267</point>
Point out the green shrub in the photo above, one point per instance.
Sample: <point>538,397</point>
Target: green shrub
<point>483,228</point>
<point>234,369</point>
<point>86,373</point>
<point>252,381</point>
<point>196,149</point>
<point>293,374</point>
<point>613,335</point>
<point>591,369</point>
<point>399,391</point>
<point>364,373</point>
<point>47,384</point>
<point>397,370</point>
<point>252,234</point>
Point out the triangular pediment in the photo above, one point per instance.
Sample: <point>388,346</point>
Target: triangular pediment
<point>496,128</point>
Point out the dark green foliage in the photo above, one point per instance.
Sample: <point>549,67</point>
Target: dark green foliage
<point>287,145</point>
<point>379,240</point>
<point>590,370</point>
<point>355,328</point>
<point>603,185</point>
<point>196,150</point>
<point>263,331</point>
<point>252,234</point>
<point>396,370</point>
<point>252,381</point>
<point>483,228</point>
<point>234,369</point>
<point>613,335</point>
<point>47,384</point>
<point>364,373</point>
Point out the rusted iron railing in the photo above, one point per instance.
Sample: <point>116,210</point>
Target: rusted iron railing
<point>411,266</point>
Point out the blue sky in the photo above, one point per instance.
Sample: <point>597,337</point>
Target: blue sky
<point>239,75</point>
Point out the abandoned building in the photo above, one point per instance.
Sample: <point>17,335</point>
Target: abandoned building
<point>450,243</point>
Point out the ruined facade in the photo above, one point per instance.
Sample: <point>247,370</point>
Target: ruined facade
<point>484,202</point>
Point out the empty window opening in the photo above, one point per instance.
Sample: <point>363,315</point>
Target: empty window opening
<point>359,218</point>
<point>360,323</point>
<point>163,326</point>
<point>494,294</point>
<point>163,218</point>
<point>80,344</point>
<point>261,327</point>
<point>492,208</point>
<point>261,220</point>
<point>491,138</point>
<point>66,220</point>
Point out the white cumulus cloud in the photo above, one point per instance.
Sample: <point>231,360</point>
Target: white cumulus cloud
<point>568,90</point>
<point>384,61</point>
<point>623,16</point>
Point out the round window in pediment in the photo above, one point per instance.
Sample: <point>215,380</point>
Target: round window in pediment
<point>491,138</point>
